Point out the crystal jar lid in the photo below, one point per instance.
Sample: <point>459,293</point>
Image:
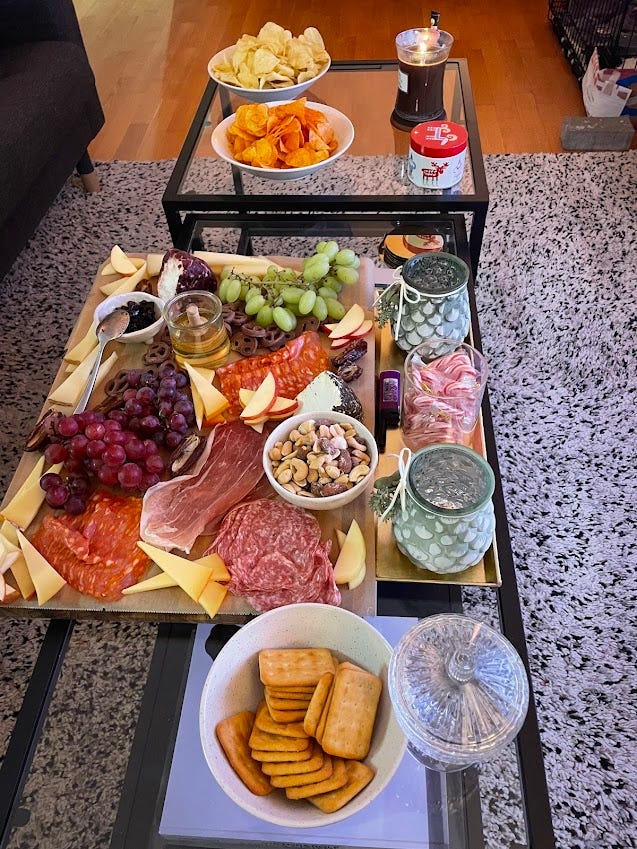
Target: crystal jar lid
<point>459,690</point>
<point>451,480</point>
<point>437,274</point>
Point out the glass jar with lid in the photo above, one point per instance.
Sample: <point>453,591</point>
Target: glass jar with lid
<point>446,520</point>
<point>428,300</point>
<point>459,691</point>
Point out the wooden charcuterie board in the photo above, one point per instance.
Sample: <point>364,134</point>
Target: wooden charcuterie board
<point>173,604</point>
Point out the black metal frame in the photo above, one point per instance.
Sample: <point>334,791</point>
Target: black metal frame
<point>239,209</point>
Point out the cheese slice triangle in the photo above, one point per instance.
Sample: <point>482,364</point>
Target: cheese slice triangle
<point>46,580</point>
<point>24,505</point>
<point>212,597</point>
<point>84,347</point>
<point>157,582</point>
<point>192,577</point>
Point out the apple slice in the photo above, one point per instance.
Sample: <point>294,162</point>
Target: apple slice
<point>153,264</point>
<point>127,283</point>
<point>258,427</point>
<point>108,269</point>
<point>363,330</point>
<point>358,578</point>
<point>262,400</point>
<point>341,536</point>
<point>351,556</point>
<point>350,322</point>
<point>120,262</point>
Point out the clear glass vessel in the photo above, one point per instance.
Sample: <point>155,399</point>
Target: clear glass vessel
<point>459,691</point>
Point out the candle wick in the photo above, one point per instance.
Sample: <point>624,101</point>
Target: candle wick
<point>194,318</point>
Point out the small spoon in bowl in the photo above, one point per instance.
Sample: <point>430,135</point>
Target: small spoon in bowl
<point>112,327</point>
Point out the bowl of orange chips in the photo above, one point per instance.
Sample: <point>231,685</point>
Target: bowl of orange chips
<point>273,65</point>
<point>283,140</point>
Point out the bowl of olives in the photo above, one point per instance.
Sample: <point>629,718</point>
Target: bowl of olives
<point>144,309</point>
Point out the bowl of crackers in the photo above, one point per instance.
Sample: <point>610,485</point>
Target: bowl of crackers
<point>283,140</point>
<point>296,722</point>
<point>273,65</point>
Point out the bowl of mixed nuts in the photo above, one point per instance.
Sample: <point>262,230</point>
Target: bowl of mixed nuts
<point>320,461</point>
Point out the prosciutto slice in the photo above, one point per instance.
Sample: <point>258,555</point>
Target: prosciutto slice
<point>176,512</point>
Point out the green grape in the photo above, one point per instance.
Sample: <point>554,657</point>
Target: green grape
<point>244,291</point>
<point>226,271</point>
<point>326,292</point>
<point>292,294</point>
<point>264,316</point>
<point>287,275</point>
<point>331,282</point>
<point>318,261</point>
<point>253,305</point>
<point>330,250</point>
<point>347,275</point>
<point>233,290</point>
<point>357,262</point>
<point>253,280</point>
<point>284,319</point>
<point>314,273</point>
<point>319,310</point>
<point>335,309</point>
<point>253,292</point>
<point>293,308</point>
<point>222,291</point>
<point>306,304</point>
<point>345,257</point>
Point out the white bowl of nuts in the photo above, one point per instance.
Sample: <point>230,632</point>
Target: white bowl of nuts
<point>320,461</point>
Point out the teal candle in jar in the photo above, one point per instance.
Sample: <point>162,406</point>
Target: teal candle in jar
<point>430,300</point>
<point>447,522</point>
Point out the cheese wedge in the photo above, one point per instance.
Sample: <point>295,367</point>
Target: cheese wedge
<point>46,580</point>
<point>84,347</point>
<point>351,556</point>
<point>216,565</point>
<point>19,566</point>
<point>191,576</point>
<point>123,285</point>
<point>70,390</point>
<point>214,402</point>
<point>157,582</point>
<point>25,504</point>
<point>212,597</point>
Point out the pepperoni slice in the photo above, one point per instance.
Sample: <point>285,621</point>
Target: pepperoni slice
<point>96,552</point>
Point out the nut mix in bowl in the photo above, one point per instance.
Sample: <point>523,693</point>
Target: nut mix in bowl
<point>271,64</point>
<point>320,461</point>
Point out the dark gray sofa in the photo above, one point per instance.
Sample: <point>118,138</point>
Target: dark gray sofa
<point>49,112</point>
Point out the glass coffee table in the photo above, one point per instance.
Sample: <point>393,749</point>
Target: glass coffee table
<point>368,183</point>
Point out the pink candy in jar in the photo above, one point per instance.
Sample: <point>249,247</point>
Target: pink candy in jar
<point>443,388</point>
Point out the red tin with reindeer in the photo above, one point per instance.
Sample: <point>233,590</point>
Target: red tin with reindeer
<point>437,152</point>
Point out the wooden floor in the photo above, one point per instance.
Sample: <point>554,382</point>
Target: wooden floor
<point>150,58</point>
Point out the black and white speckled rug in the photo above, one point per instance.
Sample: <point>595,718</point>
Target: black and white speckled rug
<point>558,307</point>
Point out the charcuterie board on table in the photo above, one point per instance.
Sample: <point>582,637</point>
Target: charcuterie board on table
<point>171,603</point>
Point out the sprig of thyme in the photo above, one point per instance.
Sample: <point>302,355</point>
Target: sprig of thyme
<point>383,492</point>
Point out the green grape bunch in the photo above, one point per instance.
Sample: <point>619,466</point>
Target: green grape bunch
<point>283,295</point>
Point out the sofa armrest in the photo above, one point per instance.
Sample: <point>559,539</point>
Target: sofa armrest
<point>24,21</point>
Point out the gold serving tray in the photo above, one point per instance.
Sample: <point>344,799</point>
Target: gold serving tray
<point>391,563</point>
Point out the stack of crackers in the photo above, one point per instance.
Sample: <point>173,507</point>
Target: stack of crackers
<point>310,733</point>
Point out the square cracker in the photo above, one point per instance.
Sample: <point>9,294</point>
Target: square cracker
<point>351,715</point>
<point>294,667</point>
<point>233,734</point>
<point>296,767</point>
<point>284,716</point>
<point>337,779</point>
<point>358,776</point>
<point>265,722</point>
<point>320,728</point>
<point>281,757</point>
<point>317,703</point>
<point>260,739</point>
<point>300,780</point>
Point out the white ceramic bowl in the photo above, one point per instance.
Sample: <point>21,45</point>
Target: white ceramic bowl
<point>233,685</point>
<point>330,502</point>
<point>343,131</point>
<point>262,95</point>
<point>108,305</point>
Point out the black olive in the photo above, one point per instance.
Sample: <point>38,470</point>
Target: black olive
<point>142,315</point>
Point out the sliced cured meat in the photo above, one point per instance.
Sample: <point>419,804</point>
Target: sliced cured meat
<point>293,366</point>
<point>96,552</point>
<point>176,512</point>
<point>275,556</point>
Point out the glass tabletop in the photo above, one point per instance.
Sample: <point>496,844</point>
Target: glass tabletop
<point>375,166</point>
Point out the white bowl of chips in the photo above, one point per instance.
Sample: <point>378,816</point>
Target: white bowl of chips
<point>233,685</point>
<point>273,65</point>
<point>335,135</point>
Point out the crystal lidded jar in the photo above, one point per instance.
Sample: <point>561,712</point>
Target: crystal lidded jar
<point>448,520</point>
<point>435,301</point>
<point>459,691</point>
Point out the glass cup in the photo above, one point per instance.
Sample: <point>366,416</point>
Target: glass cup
<point>197,331</point>
<point>422,55</point>
<point>442,392</point>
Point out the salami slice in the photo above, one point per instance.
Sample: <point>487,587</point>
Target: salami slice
<point>96,552</point>
<point>294,366</point>
<point>176,512</point>
<point>275,556</point>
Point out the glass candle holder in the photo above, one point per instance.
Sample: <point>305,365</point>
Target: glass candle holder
<point>448,520</point>
<point>442,392</point>
<point>197,332</point>
<point>422,55</point>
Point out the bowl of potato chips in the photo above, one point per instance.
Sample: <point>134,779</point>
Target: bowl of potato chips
<point>295,720</point>
<point>283,140</point>
<point>273,65</point>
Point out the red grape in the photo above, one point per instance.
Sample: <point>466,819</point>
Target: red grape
<point>111,424</point>
<point>173,439</point>
<point>181,379</point>
<point>88,417</point>
<point>73,465</point>
<point>178,422</point>
<point>108,475</point>
<point>95,430</point>
<point>167,368</point>
<point>55,452</point>
<point>49,480</point>
<point>95,448</point>
<point>129,476</point>
<point>166,393</point>
<point>146,395</point>
<point>133,377</point>
<point>67,427</point>
<point>134,448</point>
<point>129,393</point>
<point>115,437</point>
<point>75,505</point>
<point>133,424</point>
<point>56,496</point>
<point>77,446</point>
<point>148,480</point>
<point>184,406</point>
<point>78,484</point>
<point>133,407</point>
<point>148,379</point>
<point>165,409</point>
<point>118,416</point>
<point>150,448</point>
<point>150,424</point>
<point>114,455</point>
<point>154,464</point>
<point>93,464</point>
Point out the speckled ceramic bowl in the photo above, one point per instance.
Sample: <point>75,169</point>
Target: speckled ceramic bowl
<point>233,685</point>
<point>114,302</point>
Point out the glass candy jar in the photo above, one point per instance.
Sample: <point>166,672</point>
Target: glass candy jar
<point>429,300</point>
<point>447,522</point>
<point>459,691</point>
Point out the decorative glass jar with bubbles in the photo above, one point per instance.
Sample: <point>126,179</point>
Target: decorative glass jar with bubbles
<point>440,507</point>
<point>427,300</point>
